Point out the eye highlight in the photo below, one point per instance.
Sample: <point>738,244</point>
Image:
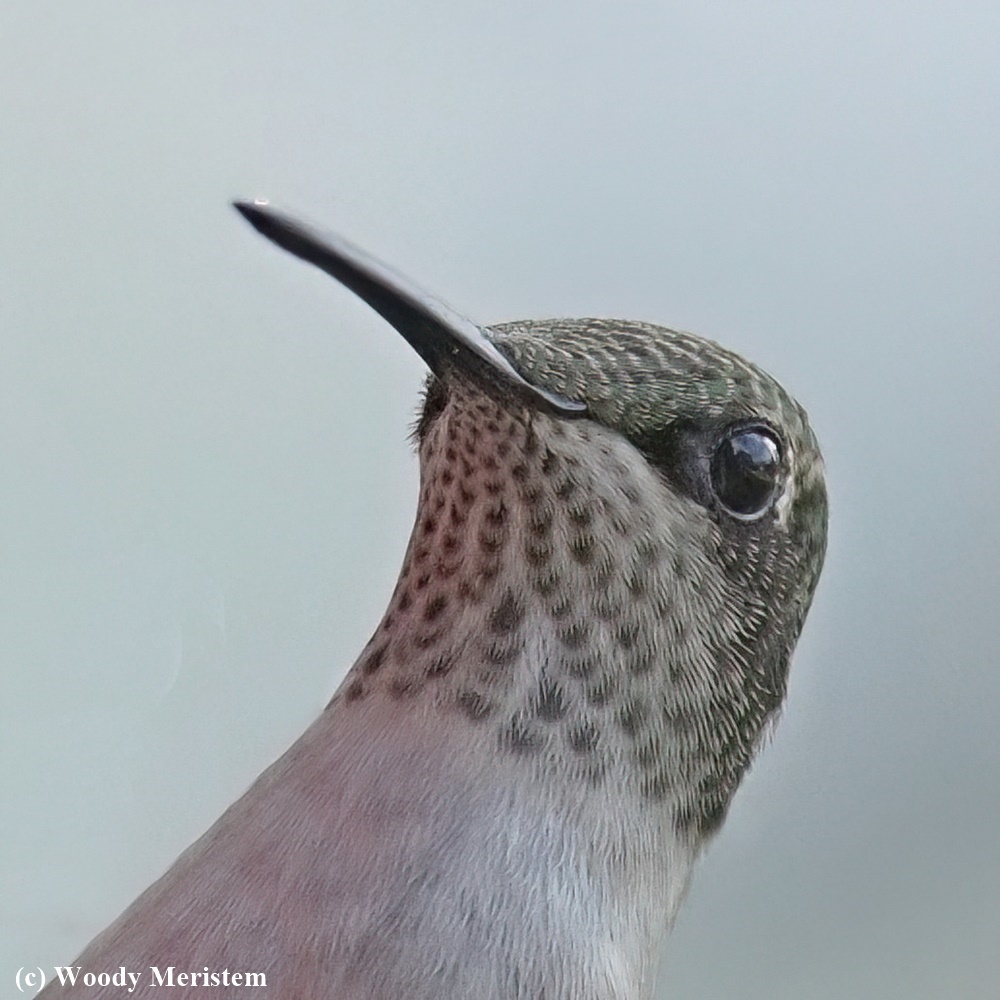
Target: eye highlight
<point>746,470</point>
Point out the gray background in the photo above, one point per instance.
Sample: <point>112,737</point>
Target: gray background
<point>206,483</point>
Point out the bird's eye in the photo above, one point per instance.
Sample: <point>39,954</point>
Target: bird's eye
<point>746,468</point>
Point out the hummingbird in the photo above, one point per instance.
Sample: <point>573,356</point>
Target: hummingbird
<point>619,532</point>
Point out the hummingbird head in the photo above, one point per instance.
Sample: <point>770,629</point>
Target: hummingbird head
<point>733,451</point>
<point>619,534</point>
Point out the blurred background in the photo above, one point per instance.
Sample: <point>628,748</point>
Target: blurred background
<point>206,480</point>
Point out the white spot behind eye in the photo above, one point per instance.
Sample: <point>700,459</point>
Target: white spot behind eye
<point>783,504</point>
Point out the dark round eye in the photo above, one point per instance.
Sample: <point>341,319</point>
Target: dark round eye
<point>745,469</point>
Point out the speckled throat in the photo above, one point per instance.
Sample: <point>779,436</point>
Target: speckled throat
<point>558,591</point>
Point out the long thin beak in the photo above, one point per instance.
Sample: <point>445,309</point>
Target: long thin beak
<point>436,332</point>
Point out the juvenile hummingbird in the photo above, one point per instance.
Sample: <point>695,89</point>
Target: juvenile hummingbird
<point>619,531</point>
